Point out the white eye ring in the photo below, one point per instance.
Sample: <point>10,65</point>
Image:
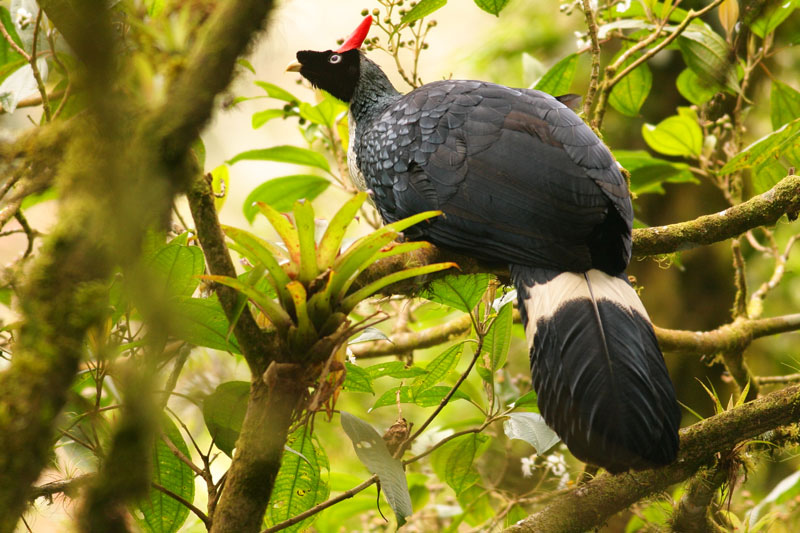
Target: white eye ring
<point>335,58</point>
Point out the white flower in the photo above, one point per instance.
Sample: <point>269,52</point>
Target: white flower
<point>351,357</point>
<point>623,6</point>
<point>526,463</point>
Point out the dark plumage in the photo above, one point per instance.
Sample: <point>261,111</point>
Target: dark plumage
<point>524,181</point>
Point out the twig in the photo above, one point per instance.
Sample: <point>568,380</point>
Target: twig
<point>29,232</point>
<point>66,486</point>
<point>405,342</point>
<point>778,380</point>
<point>591,24</point>
<point>739,280</point>
<point>48,115</point>
<point>755,306</point>
<point>183,501</point>
<point>322,506</point>
<point>13,44</point>
<point>693,510</point>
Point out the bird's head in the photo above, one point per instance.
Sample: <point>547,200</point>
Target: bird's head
<point>336,71</point>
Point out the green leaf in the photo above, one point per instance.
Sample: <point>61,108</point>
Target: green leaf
<point>784,104</point>
<point>395,369</point>
<point>177,267</point>
<point>220,184</point>
<point>649,173</point>
<point>304,223</point>
<point>7,54</point>
<point>426,398</point>
<point>274,312</point>
<point>769,146</point>
<point>493,7</point>
<point>246,64</point>
<point>772,14</point>
<point>458,291</point>
<point>199,149</point>
<point>422,9</point>
<point>273,91</point>
<point>693,88</point>
<point>452,462</point>
<point>629,94</point>
<point>357,379</point>
<point>496,343</point>
<point>678,135</point>
<point>709,56</point>
<point>331,241</point>
<point>529,399</point>
<point>160,513</point>
<point>559,78</point>
<point>260,118</point>
<point>202,322</point>
<point>223,412</point>
<point>438,369</point>
<point>477,505</point>
<point>531,428</point>
<point>285,229</point>
<point>370,334</point>
<point>372,452</point>
<point>284,154</point>
<point>260,252</point>
<point>324,113</point>
<point>301,482</point>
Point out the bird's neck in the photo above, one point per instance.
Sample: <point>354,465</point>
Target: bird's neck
<point>373,93</point>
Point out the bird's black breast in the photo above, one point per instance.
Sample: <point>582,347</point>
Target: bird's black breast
<point>520,178</point>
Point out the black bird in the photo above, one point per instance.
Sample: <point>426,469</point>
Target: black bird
<point>522,180</point>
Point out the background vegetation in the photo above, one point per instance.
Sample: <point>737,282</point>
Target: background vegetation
<point>162,372</point>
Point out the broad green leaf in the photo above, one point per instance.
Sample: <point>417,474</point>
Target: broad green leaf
<point>426,398</point>
<point>693,88</point>
<point>784,104</point>
<point>301,482</point>
<point>159,512</point>
<point>531,428</point>
<point>772,14</point>
<point>324,113</point>
<point>260,118</point>
<point>709,56</point>
<point>678,135</point>
<point>281,193</point>
<point>357,379</point>
<point>285,229</point>
<point>422,9</point>
<point>458,291</point>
<point>629,94</point>
<point>438,369</point>
<point>260,252</point>
<point>395,369</point>
<point>223,412</point>
<point>529,399</point>
<point>648,173</point>
<point>220,184</point>
<point>493,7</point>
<point>284,154</point>
<point>177,267</point>
<point>515,514</point>
<point>558,79</point>
<point>477,505</point>
<point>273,91</point>
<point>767,174</point>
<point>202,322</point>
<point>371,450</point>
<point>452,462</point>
<point>345,515</point>
<point>769,146</point>
<point>496,343</point>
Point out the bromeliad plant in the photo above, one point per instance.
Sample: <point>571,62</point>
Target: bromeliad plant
<point>310,285</point>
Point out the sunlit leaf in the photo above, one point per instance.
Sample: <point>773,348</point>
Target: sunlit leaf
<point>371,450</point>
<point>395,369</point>
<point>769,146</point>
<point>772,14</point>
<point>709,56</point>
<point>493,7</point>
<point>177,267</point>
<point>357,379</point>
<point>558,79</point>
<point>693,88</point>
<point>458,291</point>
<point>529,399</point>
<point>284,154</point>
<point>273,91</point>
<point>220,184</point>
<point>676,135</point>
<point>438,369</point>
<point>331,241</point>
<point>426,398</point>
<point>260,118</point>
<point>496,343</point>
<point>202,322</point>
<point>630,92</point>
<point>452,462</point>
<point>223,412</point>
<point>649,173</point>
<point>422,9</point>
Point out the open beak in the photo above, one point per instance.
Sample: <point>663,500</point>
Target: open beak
<point>294,66</point>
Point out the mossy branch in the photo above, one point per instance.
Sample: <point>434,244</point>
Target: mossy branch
<point>590,505</point>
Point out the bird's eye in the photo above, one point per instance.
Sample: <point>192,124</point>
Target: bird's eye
<point>335,58</point>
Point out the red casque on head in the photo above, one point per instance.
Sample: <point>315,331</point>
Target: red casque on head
<point>357,37</point>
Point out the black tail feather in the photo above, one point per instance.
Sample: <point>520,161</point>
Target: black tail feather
<point>597,369</point>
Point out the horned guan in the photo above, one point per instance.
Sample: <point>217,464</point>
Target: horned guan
<point>522,180</point>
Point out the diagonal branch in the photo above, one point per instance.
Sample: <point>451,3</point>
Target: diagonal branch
<point>592,504</point>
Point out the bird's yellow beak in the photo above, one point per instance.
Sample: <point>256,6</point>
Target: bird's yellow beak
<point>294,66</point>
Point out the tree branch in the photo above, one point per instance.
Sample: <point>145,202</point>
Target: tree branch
<point>593,503</point>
